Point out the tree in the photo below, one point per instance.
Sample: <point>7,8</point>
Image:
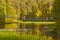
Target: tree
<point>2,13</point>
<point>10,11</point>
<point>11,15</point>
<point>56,13</point>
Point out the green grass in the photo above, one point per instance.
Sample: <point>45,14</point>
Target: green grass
<point>16,36</point>
<point>8,36</point>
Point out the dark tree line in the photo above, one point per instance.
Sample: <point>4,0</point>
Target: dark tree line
<point>56,13</point>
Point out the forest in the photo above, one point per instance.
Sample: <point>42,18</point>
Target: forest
<point>29,19</point>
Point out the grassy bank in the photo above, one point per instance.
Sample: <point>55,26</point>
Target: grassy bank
<point>16,36</point>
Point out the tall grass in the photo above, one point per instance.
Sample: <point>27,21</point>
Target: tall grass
<point>16,36</point>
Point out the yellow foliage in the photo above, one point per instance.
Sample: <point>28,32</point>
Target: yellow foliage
<point>50,8</point>
<point>35,4</point>
<point>10,11</point>
<point>39,13</point>
<point>11,15</point>
<point>11,26</point>
<point>24,8</point>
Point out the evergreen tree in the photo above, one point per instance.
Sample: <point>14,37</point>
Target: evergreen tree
<point>56,13</point>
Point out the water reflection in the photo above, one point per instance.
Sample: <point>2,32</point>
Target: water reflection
<point>34,28</point>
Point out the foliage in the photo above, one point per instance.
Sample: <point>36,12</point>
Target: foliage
<point>10,12</point>
<point>33,8</point>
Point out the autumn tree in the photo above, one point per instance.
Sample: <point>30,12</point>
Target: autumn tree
<point>11,15</point>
